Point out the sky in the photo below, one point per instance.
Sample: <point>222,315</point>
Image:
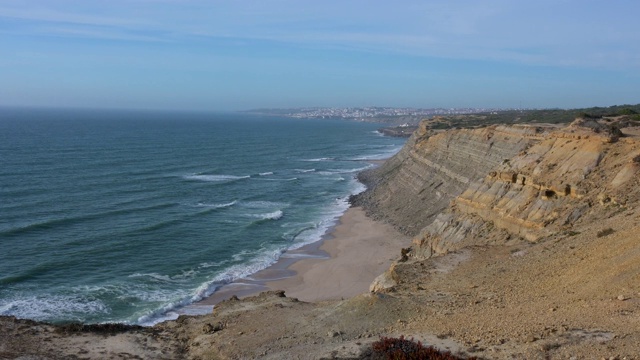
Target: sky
<point>246,54</point>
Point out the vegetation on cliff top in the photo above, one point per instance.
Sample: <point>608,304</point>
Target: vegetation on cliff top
<point>552,116</point>
<point>547,116</point>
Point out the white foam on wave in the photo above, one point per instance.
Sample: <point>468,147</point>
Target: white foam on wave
<point>304,170</point>
<point>172,298</point>
<point>315,233</point>
<point>297,229</point>
<point>266,173</point>
<point>205,265</point>
<point>275,215</point>
<point>52,307</point>
<point>163,278</point>
<point>215,178</point>
<point>263,259</point>
<point>154,295</point>
<point>328,218</point>
<point>217,206</point>
<point>251,262</point>
<point>319,159</point>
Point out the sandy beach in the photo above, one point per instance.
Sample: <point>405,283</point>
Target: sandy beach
<point>360,249</point>
<point>342,265</point>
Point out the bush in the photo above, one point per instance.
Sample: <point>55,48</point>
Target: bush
<point>605,232</point>
<point>404,349</point>
<point>586,115</point>
<point>627,111</point>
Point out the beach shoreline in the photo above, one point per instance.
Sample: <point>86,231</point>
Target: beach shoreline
<point>359,250</point>
<point>340,265</point>
<point>343,263</point>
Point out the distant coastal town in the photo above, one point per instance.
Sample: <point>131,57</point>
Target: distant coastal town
<point>370,114</point>
<point>443,118</point>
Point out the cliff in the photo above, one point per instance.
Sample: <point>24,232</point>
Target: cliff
<point>417,184</point>
<point>525,245</point>
<point>502,184</point>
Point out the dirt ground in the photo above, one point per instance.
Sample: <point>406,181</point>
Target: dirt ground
<point>573,296</point>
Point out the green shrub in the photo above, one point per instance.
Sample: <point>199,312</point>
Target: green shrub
<point>627,111</point>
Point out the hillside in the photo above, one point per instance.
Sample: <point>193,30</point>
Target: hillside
<point>526,245</point>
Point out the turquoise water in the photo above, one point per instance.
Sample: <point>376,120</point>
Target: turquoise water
<point>123,216</point>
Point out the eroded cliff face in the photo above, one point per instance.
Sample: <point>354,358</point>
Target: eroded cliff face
<point>504,184</point>
<point>417,184</point>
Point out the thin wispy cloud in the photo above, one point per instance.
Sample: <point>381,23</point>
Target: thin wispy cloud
<point>260,40</point>
<point>463,29</point>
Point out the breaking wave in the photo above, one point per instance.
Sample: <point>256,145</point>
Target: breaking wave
<point>215,178</point>
<point>319,159</point>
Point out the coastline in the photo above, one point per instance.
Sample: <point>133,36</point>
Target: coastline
<point>359,250</point>
<point>342,264</point>
<point>489,293</point>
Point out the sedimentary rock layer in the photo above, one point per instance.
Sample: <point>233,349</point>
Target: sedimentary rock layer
<point>501,184</point>
<point>413,187</point>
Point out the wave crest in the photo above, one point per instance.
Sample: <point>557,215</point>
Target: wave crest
<point>217,206</point>
<point>270,216</point>
<point>215,178</point>
<point>319,159</point>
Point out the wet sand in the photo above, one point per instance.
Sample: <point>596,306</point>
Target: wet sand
<point>341,265</point>
<point>359,250</point>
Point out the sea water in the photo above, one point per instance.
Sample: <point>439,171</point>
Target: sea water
<point>123,216</point>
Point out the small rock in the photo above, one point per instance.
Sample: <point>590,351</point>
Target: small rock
<point>333,333</point>
<point>207,328</point>
<point>622,297</point>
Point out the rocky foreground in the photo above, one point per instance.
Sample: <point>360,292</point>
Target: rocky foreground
<point>526,246</point>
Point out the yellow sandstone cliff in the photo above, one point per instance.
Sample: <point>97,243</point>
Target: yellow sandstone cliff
<point>526,245</point>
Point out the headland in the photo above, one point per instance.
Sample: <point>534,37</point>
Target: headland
<point>524,245</point>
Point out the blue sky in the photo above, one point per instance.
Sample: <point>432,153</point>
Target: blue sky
<point>236,55</point>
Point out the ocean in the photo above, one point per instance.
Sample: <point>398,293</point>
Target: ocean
<point>124,216</point>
